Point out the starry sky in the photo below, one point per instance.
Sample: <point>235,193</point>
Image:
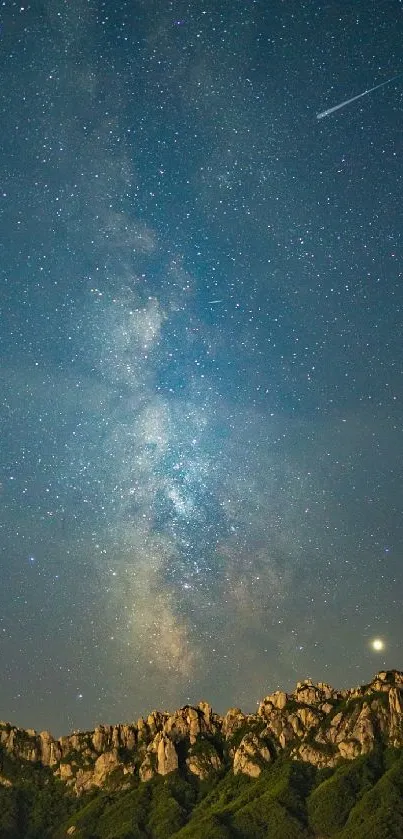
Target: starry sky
<point>201,352</point>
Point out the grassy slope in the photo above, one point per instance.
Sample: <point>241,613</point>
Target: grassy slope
<point>290,800</point>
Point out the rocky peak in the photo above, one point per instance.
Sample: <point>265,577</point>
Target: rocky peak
<point>315,723</point>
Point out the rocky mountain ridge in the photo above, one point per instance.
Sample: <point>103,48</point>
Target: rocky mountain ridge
<point>315,724</point>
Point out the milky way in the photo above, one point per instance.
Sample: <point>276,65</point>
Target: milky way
<point>201,380</point>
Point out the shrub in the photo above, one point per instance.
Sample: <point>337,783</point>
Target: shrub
<point>329,805</point>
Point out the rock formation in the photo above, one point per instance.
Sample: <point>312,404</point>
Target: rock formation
<point>315,724</point>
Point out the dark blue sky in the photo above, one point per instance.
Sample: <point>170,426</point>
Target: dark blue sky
<point>201,378</point>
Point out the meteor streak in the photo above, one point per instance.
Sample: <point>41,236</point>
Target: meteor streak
<point>348,101</point>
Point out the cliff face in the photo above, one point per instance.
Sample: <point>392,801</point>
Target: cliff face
<point>315,724</point>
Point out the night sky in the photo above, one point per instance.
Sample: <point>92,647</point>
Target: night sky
<point>201,352</point>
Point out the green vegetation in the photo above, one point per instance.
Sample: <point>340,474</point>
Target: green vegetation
<point>331,803</point>
<point>77,760</point>
<point>349,704</point>
<point>289,800</point>
<point>294,705</point>
<point>379,814</point>
<point>34,804</point>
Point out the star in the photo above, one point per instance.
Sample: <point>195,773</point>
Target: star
<point>377,645</point>
<point>200,413</point>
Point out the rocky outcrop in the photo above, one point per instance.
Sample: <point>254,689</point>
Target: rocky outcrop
<point>205,761</point>
<point>314,723</point>
<point>250,756</point>
<point>233,720</point>
<point>167,758</point>
<point>147,769</point>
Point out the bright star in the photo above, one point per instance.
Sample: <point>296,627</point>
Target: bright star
<point>378,645</point>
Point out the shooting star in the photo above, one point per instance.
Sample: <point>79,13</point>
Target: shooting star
<point>213,302</point>
<point>353,99</point>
